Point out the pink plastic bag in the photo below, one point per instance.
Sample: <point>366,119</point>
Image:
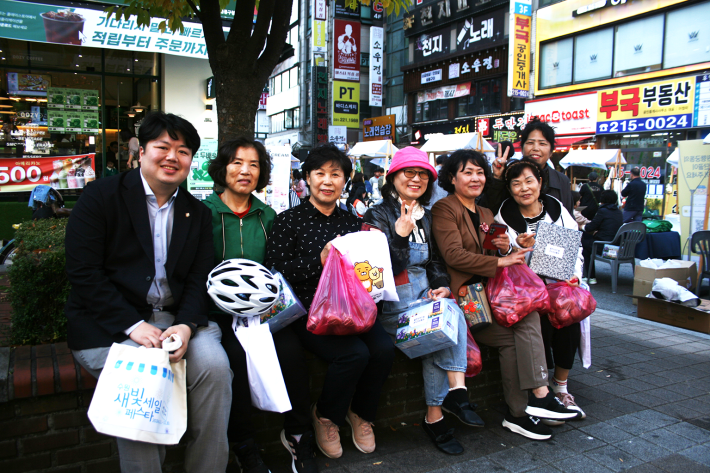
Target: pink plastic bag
<point>341,305</point>
<point>569,305</point>
<point>514,292</point>
<point>473,356</point>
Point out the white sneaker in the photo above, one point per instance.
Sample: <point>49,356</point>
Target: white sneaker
<point>552,423</point>
<point>592,281</point>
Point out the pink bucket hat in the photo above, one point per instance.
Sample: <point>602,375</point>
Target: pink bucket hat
<point>411,157</point>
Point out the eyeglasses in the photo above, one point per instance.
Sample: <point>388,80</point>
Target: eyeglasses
<point>410,173</point>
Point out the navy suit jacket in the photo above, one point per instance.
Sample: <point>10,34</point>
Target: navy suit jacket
<point>110,262</point>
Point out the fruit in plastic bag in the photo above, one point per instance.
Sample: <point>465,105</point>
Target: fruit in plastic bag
<point>341,305</point>
<point>568,304</point>
<point>514,292</point>
<point>474,364</point>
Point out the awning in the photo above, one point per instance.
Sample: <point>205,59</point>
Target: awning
<point>592,158</point>
<point>674,158</point>
<point>442,143</point>
<point>706,141</point>
<point>373,149</point>
<point>563,143</point>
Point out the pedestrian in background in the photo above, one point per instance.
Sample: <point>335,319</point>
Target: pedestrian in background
<point>635,193</point>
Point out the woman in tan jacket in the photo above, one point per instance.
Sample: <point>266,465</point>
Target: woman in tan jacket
<point>459,228</point>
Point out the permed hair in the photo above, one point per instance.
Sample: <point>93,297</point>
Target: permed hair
<point>456,163</point>
<point>227,153</point>
<point>514,169</point>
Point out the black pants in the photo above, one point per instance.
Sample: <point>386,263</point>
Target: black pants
<point>561,344</point>
<point>295,373</point>
<point>587,241</point>
<point>358,366</point>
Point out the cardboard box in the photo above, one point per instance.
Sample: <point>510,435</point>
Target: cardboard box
<point>674,314</point>
<point>428,328</point>
<point>686,276</point>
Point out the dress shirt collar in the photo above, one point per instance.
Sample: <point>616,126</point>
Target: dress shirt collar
<point>149,192</point>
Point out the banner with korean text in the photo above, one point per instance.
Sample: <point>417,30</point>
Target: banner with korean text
<point>86,27</point>
<point>346,104</point>
<point>376,72</point>
<point>320,29</point>
<point>60,172</point>
<point>379,128</point>
<point>661,105</point>
<point>346,50</point>
<point>519,48</point>
<point>444,93</point>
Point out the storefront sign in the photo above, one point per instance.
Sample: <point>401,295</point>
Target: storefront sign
<point>275,194</point>
<point>501,127</point>
<point>319,101</point>
<point>475,65</point>
<point>598,5</point>
<point>85,27</point>
<point>662,105</point>
<point>346,50</point>
<point>61,172</point>
<point>569,115</point>
<point>347,9</point>
<point>481,31</point>
<point>431,76</point>
<point>319,12</point>
<point>454,70</point>
<point>432,45</point>
<point>379,128</point>
<point>378,12</point>
<point>693,167</point>
<point>446,92</point>
<point>346,104</point>
<point>701,116</point>
<point>209,88</point>
<point>422,133</point>
<point>435,14</point>
<point>199,182</point>
<point>376,73</point>
<point>263,100</point>
<point>519,48</point>
<point>320,29</point>
<point>338,134</point>
<point>226,13</point>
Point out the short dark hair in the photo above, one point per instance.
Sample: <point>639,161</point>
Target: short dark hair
<point>542,127</point>
<point>456,162</point>
<point>593,176</point>
<point>440,159</point>
<point>297,174</point>
<point>228,151</point>
<point>514,169</point>
<point>389,191</point>
<point>325,153</point>
<point>635,171</point>
<point>156,123</point>
<point>358,177</point>
<point>576,197</point>
<point>113,143</point>
<point>503,145</point>
<point>609,197</point>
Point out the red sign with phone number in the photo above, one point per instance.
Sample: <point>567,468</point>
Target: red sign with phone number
<point>62,172</point>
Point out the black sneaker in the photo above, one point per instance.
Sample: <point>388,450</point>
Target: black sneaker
<point>303,455</point>
<point>456,403</point>
<point>249,457</point>
<point>527,426</point>
<point>549,407</point>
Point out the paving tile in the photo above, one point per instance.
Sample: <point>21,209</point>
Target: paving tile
<point>642,449</point>
<point>414,460</point>
<point>699,454</point>
<point>695,405</point>
<point>518,460</point>
<point>578,441</point>
<point>481,444</point>
<point>613,458</point>
<point>690,431</point>
<point>616,389</point>
<point>645,399</point>
<point>551,451</point>
<point>675,392</point>
<point>623,405</point>
<point>667,439</point>
<point>606,432</point>
<point>580,464</point>
<point>631,424</point>
<point>655,419</point>
<point>602,412</point>
<point>656,380</point>
<point>679,412</point>
<point>481,465</point>
<point>676,463</point>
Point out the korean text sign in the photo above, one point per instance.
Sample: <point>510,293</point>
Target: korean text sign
<point>319,100</point>
<point>346,104</point>
<point>61,172</point>
<point>199,182</point>
<point>661,105</point>
<point>346,50</point>
<point>379,128</point>
<point>376,69</point>
<point>519,48</point>
<point>85,27</point>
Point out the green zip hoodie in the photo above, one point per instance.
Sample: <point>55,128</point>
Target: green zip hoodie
<point>243,237</point>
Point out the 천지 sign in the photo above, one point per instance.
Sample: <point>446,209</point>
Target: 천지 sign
<point>346,50</point>
<point>346,104</point>
<point>519,48</point>
<point>661,105</point>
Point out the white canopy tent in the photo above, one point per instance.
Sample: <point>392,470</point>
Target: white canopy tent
<point>381,150</point>
<point>706,141</point>
<point>593,158</point>
<point>674,158</point>
<point>441,143</point>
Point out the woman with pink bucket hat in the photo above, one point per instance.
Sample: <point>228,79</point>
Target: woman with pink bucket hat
<point>420,272</point>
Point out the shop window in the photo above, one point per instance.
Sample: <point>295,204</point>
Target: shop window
<point>64,57</point>
<point>396,40</point>
<point>638,46</point>
<point>418,112</point>
<point>593,55</point>
<point>293,77</point>
<point>556,63</point>
<point>425,111</point>
<point>687,33</point>
<point>517,103</point>
<point>394,96</point>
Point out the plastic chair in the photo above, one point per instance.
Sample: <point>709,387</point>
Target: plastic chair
<point>626,239</point>
<point>700,244</point>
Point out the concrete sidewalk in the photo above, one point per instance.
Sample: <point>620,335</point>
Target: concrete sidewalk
<point>647,399</point>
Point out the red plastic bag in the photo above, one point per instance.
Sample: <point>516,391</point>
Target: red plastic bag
<point>514,292</point>
<point>473,356</point>
<point>341,305</point>
<point>569,305</point>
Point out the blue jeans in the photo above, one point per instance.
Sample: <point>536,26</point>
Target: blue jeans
<point>434,365</point>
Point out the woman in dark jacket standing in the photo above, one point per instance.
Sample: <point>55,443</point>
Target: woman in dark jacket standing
<point>420,272</point>
<point>607,221</point>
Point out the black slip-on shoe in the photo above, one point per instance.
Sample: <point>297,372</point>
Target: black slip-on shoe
<point>460,407</point>
<point>444,442</point>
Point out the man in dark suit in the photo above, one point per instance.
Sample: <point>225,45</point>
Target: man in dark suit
<point>138,251</point>
<point>635,193</point>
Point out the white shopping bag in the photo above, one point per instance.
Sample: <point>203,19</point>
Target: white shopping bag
<point>585,343</point>
<point>266,382</point>
<point>141,396</point>
<point>370,255</point>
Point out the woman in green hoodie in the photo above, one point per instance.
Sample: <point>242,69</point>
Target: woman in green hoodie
<point>241,224</point>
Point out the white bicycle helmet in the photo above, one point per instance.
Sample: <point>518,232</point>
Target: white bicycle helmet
<point>242,287</point>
